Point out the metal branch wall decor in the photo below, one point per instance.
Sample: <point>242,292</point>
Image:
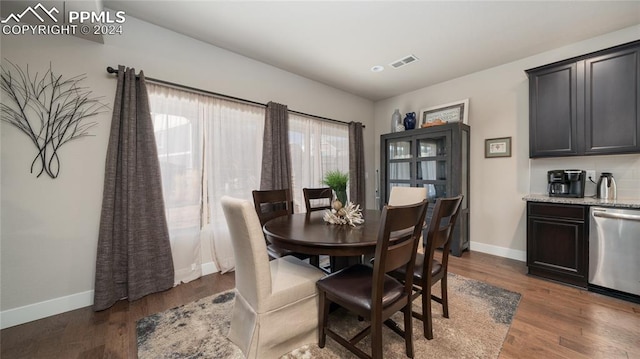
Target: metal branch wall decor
<point>50,110</point>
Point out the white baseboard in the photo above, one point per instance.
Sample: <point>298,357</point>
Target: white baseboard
<point>499,251</point>
<point>31,312</point>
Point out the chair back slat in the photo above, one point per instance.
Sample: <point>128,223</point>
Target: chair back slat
<point>270,204</point>
<point>399,255</point>
<point>317,199</point>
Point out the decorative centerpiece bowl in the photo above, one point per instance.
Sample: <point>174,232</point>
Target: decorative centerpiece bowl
<point>350,214</point>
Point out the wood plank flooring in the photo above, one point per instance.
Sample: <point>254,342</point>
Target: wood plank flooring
<point>552,321</point>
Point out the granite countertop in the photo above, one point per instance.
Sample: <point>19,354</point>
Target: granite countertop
<point>586,201</point>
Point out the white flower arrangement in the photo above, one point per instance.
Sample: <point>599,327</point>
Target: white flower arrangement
<point>350,214</point>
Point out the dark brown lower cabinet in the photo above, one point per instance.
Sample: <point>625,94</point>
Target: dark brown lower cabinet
<point>557,246</point>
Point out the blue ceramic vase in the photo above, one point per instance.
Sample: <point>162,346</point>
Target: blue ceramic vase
<point>410,121</point>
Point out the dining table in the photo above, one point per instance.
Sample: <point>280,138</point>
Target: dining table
<point>308,233</point>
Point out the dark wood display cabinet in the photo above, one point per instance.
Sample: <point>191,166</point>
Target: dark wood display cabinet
<point>436,158</point>
<point>557,245</point>
<point>588,105</point>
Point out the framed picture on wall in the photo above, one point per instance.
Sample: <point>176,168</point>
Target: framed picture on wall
<point>497,147</point>
<point>457,111</point>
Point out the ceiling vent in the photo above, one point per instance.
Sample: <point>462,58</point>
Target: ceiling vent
<point>404,61</point>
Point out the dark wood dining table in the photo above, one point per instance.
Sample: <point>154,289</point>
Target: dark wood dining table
<point>308,233</point>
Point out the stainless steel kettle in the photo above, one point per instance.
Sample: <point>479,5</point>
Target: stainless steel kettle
<point>606,186</point>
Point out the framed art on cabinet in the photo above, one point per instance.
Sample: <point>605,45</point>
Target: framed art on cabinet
<point>497,147</point>
<point>457,111</point>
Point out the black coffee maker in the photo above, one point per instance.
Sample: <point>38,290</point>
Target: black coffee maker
<point>566,183</point>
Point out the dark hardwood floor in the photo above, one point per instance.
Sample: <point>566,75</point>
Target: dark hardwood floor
<point>552,321</point>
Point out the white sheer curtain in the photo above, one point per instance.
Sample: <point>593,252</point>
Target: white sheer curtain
<point>316,147</point>
<point>207,147</point>
<point>178,129</point>
<point>233,158</point>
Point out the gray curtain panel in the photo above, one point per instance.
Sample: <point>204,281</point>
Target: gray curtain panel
<point>356,165</point>
<point>134,253</point>
<point>276,158</point>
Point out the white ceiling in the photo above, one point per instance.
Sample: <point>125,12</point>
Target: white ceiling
<point>337,42</point>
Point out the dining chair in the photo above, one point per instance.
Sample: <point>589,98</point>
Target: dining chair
<point>317,199</point>
<point>402,196</point>
<point>276,302</point>
<point>270,204</point>
<point>369,292</point>
<point>428,270</point>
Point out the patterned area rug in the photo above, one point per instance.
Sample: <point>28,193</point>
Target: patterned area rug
<point>480,316</point>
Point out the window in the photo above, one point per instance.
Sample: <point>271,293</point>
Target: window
<point>316,147</point>
<point>210,147</point>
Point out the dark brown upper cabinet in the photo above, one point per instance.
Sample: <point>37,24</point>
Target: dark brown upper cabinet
<point>587,105</point>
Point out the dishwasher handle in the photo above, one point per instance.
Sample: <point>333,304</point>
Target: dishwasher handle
<point>629,217</point>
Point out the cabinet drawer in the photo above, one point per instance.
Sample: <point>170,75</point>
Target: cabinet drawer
<point>564,211</point>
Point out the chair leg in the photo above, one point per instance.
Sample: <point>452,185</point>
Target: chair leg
<point>426,312</point>
<point>315,261</point>
<point>408,330</point>
<point>323,316</point>
<point>444,297</point>
<point>376,338</point>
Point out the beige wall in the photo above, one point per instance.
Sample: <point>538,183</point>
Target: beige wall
<point>49,228</point>
<point>498,101</point>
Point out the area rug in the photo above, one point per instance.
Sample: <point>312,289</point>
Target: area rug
<point>480,316</point>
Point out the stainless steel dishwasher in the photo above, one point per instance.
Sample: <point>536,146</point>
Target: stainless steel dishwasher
<point>614,252</point>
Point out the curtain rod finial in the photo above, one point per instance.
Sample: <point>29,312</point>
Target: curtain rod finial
<point>111,70</point>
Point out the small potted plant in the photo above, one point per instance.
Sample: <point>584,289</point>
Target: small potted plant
<point>337,181</point>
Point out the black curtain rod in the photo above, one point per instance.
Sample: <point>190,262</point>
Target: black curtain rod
<point>111,70</point>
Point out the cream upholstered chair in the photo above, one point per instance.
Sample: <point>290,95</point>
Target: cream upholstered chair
<point>276,304</point>
<point>403,196</point>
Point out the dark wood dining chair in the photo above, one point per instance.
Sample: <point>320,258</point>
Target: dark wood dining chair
<point>270,204</point>
<point>317,199</point>
<point>428,270</point>
<point>370,292</point>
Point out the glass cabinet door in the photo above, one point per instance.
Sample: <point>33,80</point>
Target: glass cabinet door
<point>431,147</point>
<point>400,171</point>
<point>400,157</point>
<point>432,165</point>
<point>399,150</point>
<point>432,170</point>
